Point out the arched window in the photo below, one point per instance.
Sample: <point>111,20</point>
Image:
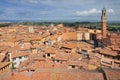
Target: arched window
<point>104,14</point>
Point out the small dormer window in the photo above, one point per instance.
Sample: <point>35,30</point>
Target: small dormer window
<point>48,54</point>
<point>58,61</point>
<point>14,59</point>
<point>20,57</point>
<point>73,66</point>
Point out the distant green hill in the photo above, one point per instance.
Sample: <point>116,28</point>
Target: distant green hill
<point>111,26</point>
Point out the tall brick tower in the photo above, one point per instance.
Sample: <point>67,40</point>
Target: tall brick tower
<point>103,23</point>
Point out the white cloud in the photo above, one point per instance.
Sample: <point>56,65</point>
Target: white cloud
<point>88,12</point>
<point>92,11</point>
<point>110,11</point>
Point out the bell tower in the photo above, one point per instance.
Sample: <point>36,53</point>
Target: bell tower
<point>104,23</point>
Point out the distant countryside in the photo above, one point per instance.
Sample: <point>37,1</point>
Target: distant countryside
<point>111,26</point>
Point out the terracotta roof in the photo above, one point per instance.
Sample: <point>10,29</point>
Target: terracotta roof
<point>21,47</point>
<point>50,49</point>
<point>15,55</point>
<point>18,76</point>
<point>13,39</point>
<point>75,62</point>
<point>60,25</point>
<point>112,74</point>
<point>37,65</point>
<point>74,56</point>
<point>24,63</point>
<point>87,48</point>
<point>36,39</point>
<point>46,34</point>
<point>2,57</point>
<point>41,76</point>
<point>109,52</point>
<point>32,38</point>
<point>115,48</point>
<point>62,56</point>
<point>69,45</point>
<point>53,37</point>
<point>38,58</point>
<point>84,44</point>
<point>15,48</point>
<point>25,46</point>
<point>63,65</point>
<point>94,62</point>
<point>3,47</point>
<point>49,64</point>
<point>63,74</point>
<point>3,64</point>
<point>69,36</point>
<point>41,64</point>
<point>77,76</point>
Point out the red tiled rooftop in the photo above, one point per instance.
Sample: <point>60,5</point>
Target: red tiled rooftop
<point>60,25</point>
<point>69,45</point>
<point>69,36</point>
<point>74,56</point>
<point>3,64</point>
<point>84,44</point>
<point>62,56</point>
<point>86,48</point>
<point>50,49</point>
<point>41,76</point>
<point>3,47</point>
<point>14,55</point>
<point>109,52</point>
<point>58,74</point>
<point>112,74</point>
<point>2,57</point>
<point>115,48</point>
<point>53,37</point>
<point>37,65</point>
<point>49,64</point>
<point>77,76</point>
<point>18,76</point>
<point>75,62</point>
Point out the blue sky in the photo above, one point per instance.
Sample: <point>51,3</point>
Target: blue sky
<point>67,10</point>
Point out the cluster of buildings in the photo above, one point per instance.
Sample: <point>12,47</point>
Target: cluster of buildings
<point>59,53</point>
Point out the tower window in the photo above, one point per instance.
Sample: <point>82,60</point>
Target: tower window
<point>104,14</point>
<point>48,55</point>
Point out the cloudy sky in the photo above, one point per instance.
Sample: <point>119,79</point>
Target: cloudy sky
<point>77,10</point>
